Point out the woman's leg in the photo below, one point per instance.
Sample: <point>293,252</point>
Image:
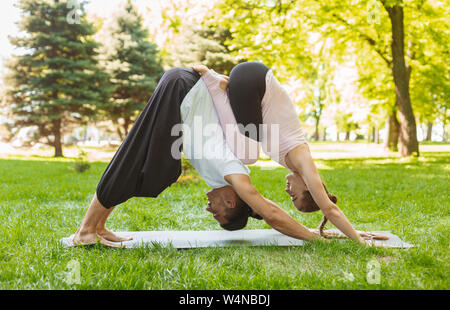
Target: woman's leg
<point>95,217</point>
<point>299,160</point>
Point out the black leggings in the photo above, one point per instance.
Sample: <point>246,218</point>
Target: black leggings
<point>143,165</point>
<point>246,89</point>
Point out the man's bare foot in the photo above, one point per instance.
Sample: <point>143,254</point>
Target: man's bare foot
<point>91,238</point>
<point>110,236</point>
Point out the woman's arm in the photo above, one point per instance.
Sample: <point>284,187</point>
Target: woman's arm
<point>299,159</point>
<point>245,149</point>
<point>270,212</point>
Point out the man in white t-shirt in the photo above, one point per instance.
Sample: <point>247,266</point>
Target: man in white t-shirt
<point>207,150</point>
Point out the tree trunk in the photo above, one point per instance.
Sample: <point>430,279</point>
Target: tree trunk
<point>324,135</point>
<point>316,131</point>
<point>377,136</point>
<point>57,138</point>
<point>429,131</point>
<point>392,132</point>
<point>401,72</point>
<point>126,126</point>
<point>119,132</point>
<point>118,129</point>
<point>347,135</point>
<point>444,124</point>
<point>373,134</point>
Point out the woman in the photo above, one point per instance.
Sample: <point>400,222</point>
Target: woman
<point>255,97</point>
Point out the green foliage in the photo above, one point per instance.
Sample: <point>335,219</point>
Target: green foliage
<point>287,34</point>
<point>261,31</point>
<point>81,164</point>
<point>132,62</point>
<point>55,80</point>
<point>192,42</point>
<point>188,173</point>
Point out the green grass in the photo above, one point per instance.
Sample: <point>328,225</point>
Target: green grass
<point>43,200</point>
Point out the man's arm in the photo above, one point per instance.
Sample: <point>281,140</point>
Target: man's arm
<point>270,212</point>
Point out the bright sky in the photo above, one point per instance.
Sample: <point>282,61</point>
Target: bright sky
<point>9,15</point>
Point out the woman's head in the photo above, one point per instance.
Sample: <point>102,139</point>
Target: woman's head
<point>228,209</point>
<point>301,196</point>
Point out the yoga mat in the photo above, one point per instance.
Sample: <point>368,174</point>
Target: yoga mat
<point>222,238</point>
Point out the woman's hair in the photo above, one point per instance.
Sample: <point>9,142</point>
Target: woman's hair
<point>307,204</point>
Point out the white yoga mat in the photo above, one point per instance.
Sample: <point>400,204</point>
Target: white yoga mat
<point>222,238</point>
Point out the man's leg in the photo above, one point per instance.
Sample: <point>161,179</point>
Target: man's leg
<point>105,233</point>
<point>87,233</point>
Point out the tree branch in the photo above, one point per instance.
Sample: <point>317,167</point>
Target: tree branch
<point>366,38</point>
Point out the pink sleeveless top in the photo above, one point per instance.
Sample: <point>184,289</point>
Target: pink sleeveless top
<point>281,126</point>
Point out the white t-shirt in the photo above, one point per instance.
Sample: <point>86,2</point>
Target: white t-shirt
<point>204,143</point>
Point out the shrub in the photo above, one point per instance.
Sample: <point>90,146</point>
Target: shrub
<point>81,164</point>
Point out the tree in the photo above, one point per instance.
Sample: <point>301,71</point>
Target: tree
<point>430,81</point>
<point>275,28</point>
<point>56,80</point>
<point>401,72</point>
<point>322,95</point>
<point>344,123</point>
<point>271,32</point>
<point>190,39</point>
<point>133,64</point>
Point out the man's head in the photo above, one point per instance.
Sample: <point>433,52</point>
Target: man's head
<point>228,209</point>
<point>300,195</point>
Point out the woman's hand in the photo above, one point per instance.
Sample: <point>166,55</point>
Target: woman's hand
<point>223,79</point>
<point>202,69</point>
<point>334,234</point>
<point>370,236</point>
<point>223,83</point>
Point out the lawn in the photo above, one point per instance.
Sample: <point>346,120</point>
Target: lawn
<point>43,200</point>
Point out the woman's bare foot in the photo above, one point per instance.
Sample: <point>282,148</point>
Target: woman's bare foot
<point>110,236</point>
<point>91,238</point>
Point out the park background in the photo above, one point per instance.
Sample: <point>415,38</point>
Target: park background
<point>75,75</point>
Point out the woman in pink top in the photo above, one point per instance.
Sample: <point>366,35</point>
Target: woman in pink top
<point>258,99</point>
